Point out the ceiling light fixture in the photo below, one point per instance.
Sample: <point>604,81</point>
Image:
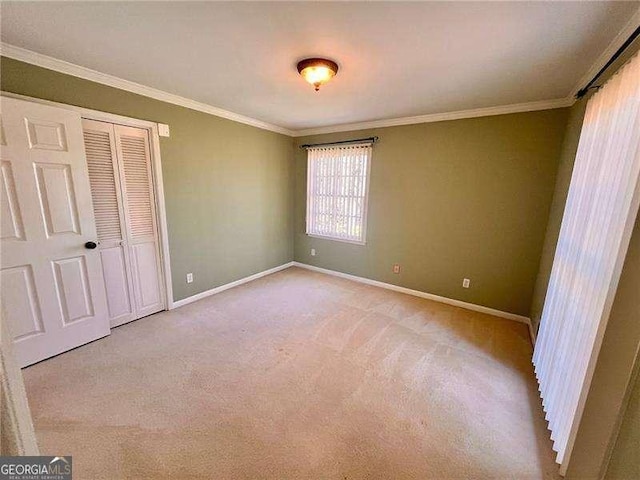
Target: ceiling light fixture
<point>317,71</point>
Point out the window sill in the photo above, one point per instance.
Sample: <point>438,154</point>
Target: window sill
<point>336,239</point>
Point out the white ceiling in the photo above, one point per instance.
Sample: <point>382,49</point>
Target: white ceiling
<point>396,59</point>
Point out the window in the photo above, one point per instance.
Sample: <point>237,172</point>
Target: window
<point>337,191</point>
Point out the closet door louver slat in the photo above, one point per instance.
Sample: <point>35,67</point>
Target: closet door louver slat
<point>138,188</point>
<point>103,185</point>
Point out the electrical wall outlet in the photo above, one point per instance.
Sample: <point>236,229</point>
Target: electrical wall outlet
<point>396,268</point>
<point>313,252</point>
<point>189,277</point>
<point>466,283</point>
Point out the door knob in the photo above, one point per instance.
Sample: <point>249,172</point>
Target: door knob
<point>90,245</point>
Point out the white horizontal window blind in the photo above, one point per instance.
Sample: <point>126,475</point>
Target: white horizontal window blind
<point>601,207</point>
<point>337,191</point>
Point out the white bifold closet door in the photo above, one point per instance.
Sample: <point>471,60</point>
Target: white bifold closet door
<point>119,164</point>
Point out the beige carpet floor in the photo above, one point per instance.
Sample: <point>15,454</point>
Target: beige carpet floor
<point>298,375</point>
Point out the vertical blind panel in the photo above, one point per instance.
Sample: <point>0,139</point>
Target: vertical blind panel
<point>337,191</point>
<point>599,205</point>
<point>135,159</point>
<point>98,147</point>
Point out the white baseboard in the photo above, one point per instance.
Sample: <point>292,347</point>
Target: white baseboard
<point>368,281</point>
<point>227,286</point>
<point>418,293</point>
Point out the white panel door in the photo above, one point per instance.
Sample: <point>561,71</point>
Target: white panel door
<point>100,145</point>
<point>52,292</point>
<point>134,158</point>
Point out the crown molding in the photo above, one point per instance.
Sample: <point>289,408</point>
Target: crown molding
<point>440,117</point>
<point>51,63</point>
<point>608,52</point>
<point>40,60</point>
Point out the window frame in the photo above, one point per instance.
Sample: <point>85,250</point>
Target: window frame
<point>365,209</point>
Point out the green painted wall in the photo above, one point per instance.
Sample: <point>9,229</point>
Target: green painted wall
<point>625,459</point>
<point>228,186</point>
<point>448,200</point>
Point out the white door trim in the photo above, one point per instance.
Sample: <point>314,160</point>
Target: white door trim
<point>19,433</point>
<point>156,167</point>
